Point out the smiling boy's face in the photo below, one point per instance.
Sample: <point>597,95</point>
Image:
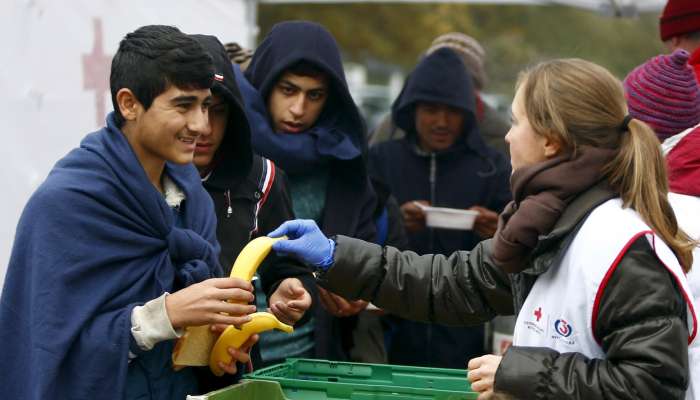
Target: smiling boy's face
<point>296,102</point>
<point>169,129</point>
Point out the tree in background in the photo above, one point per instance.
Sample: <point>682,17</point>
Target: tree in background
<point>514,36</point>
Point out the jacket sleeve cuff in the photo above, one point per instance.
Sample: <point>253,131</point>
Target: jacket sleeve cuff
<point>150,324</point>
<point>356,270</point>
<point>328,261</point>
<point>523,370</point>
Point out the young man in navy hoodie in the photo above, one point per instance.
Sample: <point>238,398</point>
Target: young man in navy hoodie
<point>303,118</point>
<point>116,251</point>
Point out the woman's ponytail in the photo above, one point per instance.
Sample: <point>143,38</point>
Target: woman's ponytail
<point>638,172</point>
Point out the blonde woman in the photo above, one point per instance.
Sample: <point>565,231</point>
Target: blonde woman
<point>589,255</point>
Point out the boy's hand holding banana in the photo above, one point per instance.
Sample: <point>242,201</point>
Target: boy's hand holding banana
<point>197,346</point>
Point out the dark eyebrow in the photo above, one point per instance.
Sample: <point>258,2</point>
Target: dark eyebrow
<point>288,83</point>
<point>183,99</point>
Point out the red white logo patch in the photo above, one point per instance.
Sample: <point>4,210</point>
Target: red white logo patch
<point>535,326</point>
<point>218,77</point>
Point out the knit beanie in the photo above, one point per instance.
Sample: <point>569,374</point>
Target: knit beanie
<point>679,17</point>
<point>664,93</point>
<point>469,50</point>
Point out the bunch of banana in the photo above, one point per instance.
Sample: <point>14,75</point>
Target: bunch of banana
<point>244,267</point>
<point>198,347</point>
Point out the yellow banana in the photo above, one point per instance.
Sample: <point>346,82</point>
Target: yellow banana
<point>194,347</point>
<point>233,337</point>
<point>251,256</point>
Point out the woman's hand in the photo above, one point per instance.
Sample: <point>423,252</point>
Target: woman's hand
<point>482,374</point>
<point>306,243</point>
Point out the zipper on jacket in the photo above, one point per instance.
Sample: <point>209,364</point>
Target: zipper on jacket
<point>229,209</point>
<point>432,179</point>
<point>433,174</point>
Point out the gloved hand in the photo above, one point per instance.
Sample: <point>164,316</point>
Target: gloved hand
<point>306,243</point>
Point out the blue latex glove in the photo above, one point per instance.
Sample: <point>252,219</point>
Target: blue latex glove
<point>306,243</point>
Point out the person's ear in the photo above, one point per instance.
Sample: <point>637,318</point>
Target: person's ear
<point>552,147</point>
<point>675,42</point>
<point>128,104</point>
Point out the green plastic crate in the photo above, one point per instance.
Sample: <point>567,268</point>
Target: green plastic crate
<point>308,390</point>
<point>344,380</point>
<point>249,390</point>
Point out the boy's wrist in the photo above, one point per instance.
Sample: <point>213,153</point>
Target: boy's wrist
<point>150,324</point>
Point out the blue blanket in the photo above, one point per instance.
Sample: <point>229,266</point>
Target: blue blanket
<point>95,240</point>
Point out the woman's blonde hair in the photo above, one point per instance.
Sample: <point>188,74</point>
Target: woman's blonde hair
<point>576,102</point>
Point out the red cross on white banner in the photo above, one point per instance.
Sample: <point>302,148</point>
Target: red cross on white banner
<point>96,66</point>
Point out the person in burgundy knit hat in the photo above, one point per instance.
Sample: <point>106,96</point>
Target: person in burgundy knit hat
<point>664,93</point>
<point>679,27</point>
<point>682,153</point>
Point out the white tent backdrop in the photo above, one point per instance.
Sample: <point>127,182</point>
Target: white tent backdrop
<point>54,77</point>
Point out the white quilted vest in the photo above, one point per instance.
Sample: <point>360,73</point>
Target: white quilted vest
<point>561,310</point>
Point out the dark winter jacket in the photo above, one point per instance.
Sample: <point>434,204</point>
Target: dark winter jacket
<point>249,192</point>
<point>337,140</point>
<point>467,174</point>
<point>388,219</point>
<point>642,323</point>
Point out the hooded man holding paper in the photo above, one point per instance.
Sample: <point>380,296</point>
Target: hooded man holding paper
<point>447,164</point>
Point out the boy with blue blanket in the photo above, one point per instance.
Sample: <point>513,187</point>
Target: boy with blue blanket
<point>116,251</point>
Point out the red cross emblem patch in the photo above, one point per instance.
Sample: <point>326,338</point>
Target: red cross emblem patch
<point>538,314</point>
